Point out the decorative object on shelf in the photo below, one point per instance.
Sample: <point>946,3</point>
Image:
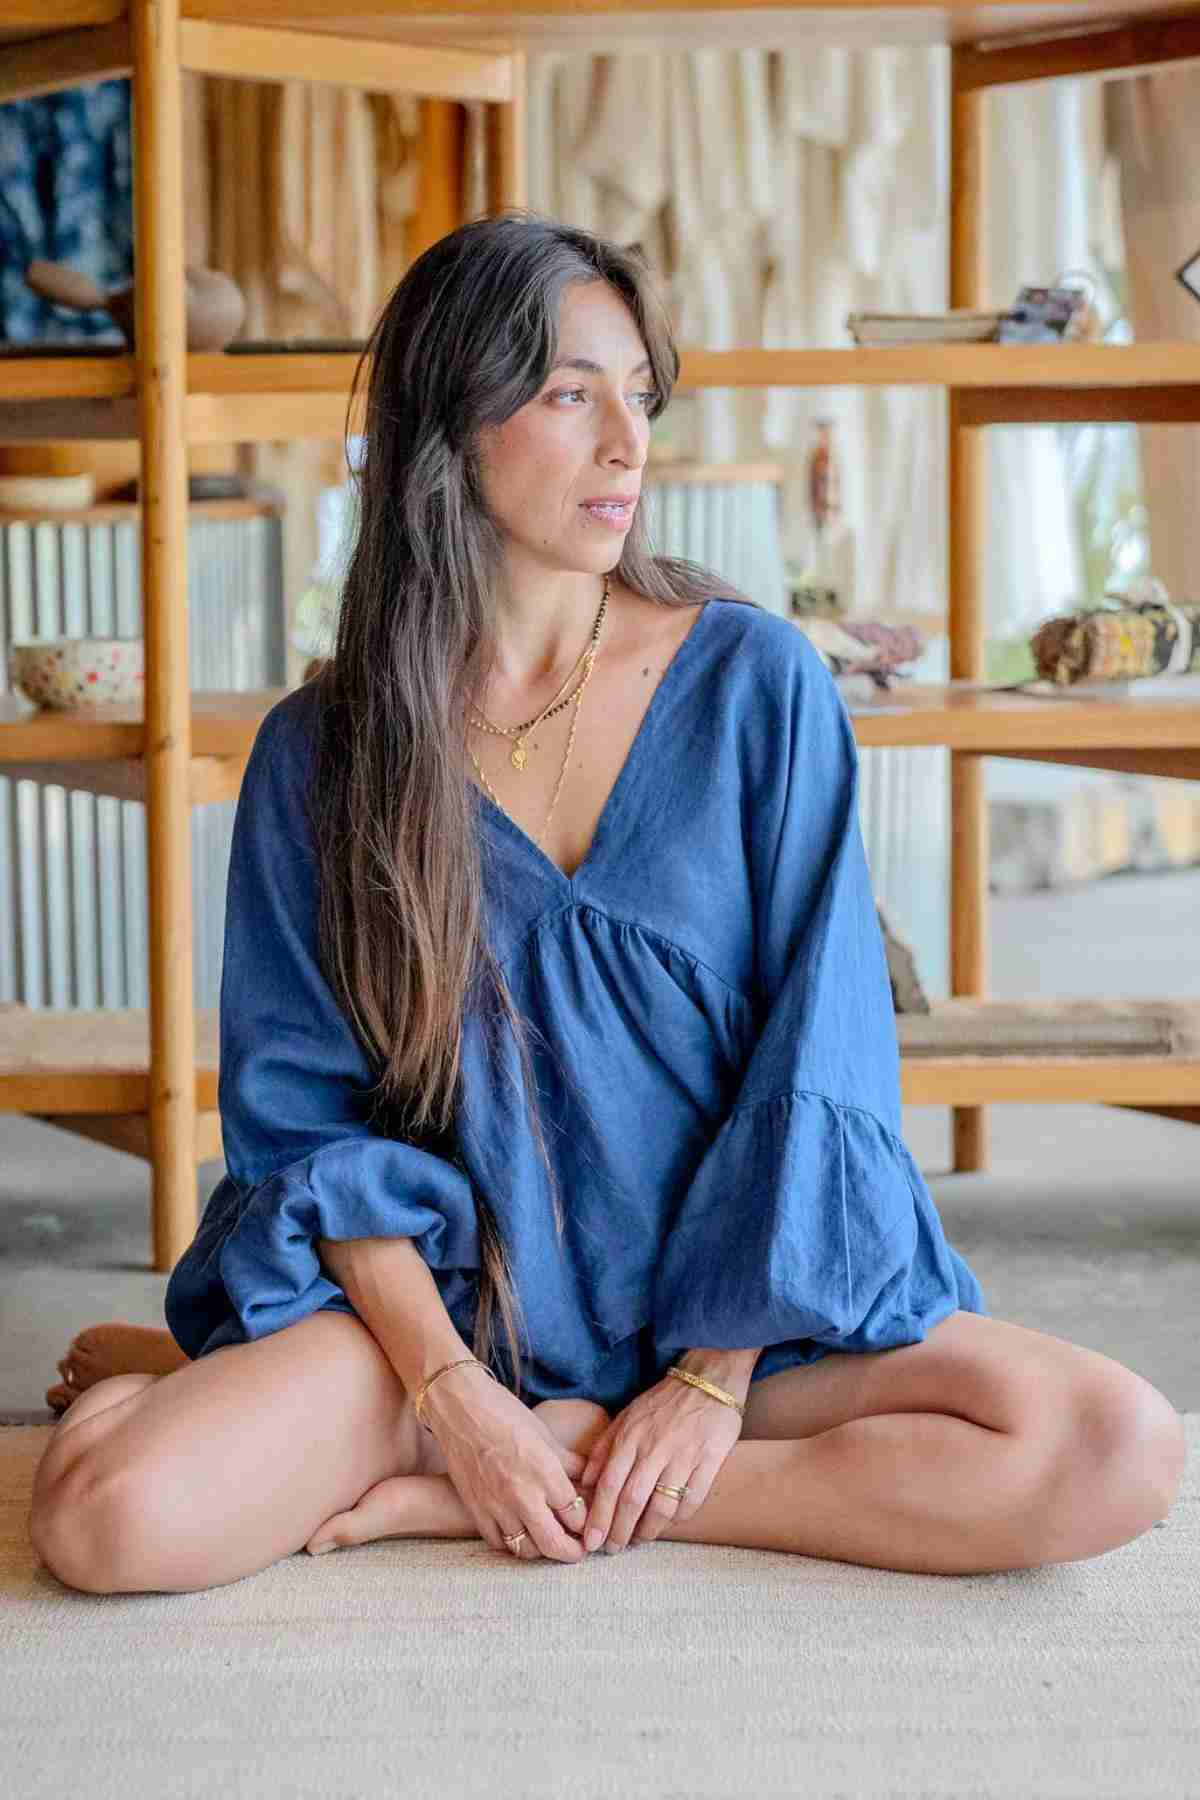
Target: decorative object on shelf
<point>1189,275</point>
<point>961,325</point>
<point>826,579</point>
<point>214,306</point>
<point>1127,637</point>
<point>864,646</point>
<point>67,674</point>
<point>1050,315</point>
<point>53,493</point>
<point>908,996</point>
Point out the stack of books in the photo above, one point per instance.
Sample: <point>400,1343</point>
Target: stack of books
<point>961,326</point>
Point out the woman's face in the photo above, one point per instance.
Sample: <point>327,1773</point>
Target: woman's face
<point>582,438</point>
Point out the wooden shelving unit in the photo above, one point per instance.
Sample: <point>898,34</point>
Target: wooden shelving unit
<point>147,1081</point>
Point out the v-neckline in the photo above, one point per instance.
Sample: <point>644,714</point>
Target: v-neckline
<point>624,776</point>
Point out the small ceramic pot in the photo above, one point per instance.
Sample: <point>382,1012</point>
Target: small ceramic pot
<point>66,674</point>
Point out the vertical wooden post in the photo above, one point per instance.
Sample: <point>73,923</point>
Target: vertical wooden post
<point>507,183</point>
<point>439,207</point>
<point>161,351</point>
<point>965,498</point>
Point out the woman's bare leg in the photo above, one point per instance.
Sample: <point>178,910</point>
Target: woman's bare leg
<point>922,1493</point>
<point>196,1478</point>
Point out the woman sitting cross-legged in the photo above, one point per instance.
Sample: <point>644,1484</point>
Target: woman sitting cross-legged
<point>566,1200</point>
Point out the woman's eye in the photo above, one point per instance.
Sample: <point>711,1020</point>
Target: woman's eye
<point>648,395</point>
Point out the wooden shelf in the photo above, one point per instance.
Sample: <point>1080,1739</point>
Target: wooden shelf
<point>223,724</point>
<point>101,1074</point>
<point>78,1068</point>
<point>76,1061</point>
<point>1138,737</point>
<point>1144,1082</point>
<point>256,398</point>
<point>610,24</point>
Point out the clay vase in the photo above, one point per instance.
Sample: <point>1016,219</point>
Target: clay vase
<point>214,306</point>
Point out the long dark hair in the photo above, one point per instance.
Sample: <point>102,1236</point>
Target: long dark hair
<point>466,338</point>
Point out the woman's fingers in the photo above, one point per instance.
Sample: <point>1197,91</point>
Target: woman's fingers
<point>605,1496</point>
<point>639,1501</point>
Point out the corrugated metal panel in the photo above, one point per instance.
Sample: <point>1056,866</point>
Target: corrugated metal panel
<point>73,895</point>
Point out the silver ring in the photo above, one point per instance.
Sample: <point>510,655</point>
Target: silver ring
<point>577,1501</point>
<point>513,1541</point>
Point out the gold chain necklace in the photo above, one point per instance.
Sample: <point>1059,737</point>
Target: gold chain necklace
<point>518,756</point>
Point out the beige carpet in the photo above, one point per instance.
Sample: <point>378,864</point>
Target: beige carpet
<point>439,1668</point>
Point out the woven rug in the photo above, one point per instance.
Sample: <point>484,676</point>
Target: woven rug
<point>438,1668</point>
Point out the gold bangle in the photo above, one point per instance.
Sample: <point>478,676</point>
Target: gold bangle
<point>709,1387</point>
<point>458,1364</point>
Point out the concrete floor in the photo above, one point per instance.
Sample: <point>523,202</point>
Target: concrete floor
<point>1086,1224</point>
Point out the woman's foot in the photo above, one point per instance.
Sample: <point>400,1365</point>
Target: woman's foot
<point>427,1504</point>
<point>115,1348</point>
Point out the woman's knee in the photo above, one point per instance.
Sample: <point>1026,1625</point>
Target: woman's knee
<point>74,1510</point>
<point>575,1423</point>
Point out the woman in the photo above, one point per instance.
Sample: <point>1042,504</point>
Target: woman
<point>553,987</point>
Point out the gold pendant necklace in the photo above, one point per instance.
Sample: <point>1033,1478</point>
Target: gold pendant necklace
<point>517,755</point>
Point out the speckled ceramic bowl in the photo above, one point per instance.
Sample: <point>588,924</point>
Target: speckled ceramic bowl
<point>67,673</point>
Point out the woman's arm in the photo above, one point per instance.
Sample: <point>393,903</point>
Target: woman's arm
<point>304,1162</point>
<point>388,1283</point>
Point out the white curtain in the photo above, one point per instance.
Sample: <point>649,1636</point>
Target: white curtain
<point>778,190</point>
<point>775,191</point>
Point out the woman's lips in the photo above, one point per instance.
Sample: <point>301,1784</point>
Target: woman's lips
<point>615,516</point>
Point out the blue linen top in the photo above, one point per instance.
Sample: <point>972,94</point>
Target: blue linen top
<point>718,1067</point>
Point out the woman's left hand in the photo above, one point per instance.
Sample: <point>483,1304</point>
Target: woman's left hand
<point>673,1433</point>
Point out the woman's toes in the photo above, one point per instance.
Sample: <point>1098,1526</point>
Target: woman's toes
<point>116,1348</point>
<point>332,1535</point>
<point>386,1510</point>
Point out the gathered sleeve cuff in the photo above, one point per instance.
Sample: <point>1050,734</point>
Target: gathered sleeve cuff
<point>807,1220</point>
<point>364,1187</point>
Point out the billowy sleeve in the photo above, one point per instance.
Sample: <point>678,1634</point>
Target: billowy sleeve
<point>302,1162</point>
<point>806,1217</point>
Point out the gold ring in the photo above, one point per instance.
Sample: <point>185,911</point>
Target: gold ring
<point>513,1541</point>
<point>676,1493</point>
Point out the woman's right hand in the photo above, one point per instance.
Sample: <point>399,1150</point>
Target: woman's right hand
<point>510,1471</point>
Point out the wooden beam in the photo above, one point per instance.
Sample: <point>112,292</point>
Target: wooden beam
<point>1180,763</point>
<point>65,59</point>
<point>1168,405</point>
<point>1149,1082</point>
<point>263,53</point>
<point>210,778</point>
<point>167,745</point>
<point>1125,50</point>
<point>965,499</point>
<point>440,154</point>
<point>507,182</point>
<point>131,1132</point>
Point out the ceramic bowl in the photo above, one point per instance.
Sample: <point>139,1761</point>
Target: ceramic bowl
<point>67,673</point>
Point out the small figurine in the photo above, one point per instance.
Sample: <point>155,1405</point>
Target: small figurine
<point>214,306</point>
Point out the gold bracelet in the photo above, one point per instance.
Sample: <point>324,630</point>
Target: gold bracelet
<point>450,1365</point>
<point>708,1386</point>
